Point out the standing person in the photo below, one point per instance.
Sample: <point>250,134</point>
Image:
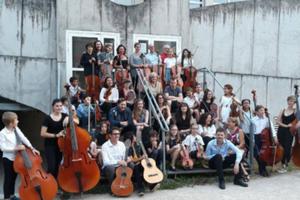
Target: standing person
<point>120,64</point>
<point>285,137</point>
<point>136,60</point>
<point>109,95</point>
<point>245,117</point>
<point>217,152</point>
<point>170,62</point>
<point>113,153</point>
<point>261,122</point>
<point>9,146</point>
<point>76,91</point>
<point>52,129</point>
<point>225,104</point>
<point>88,61</point>
<point>105,60</point>
<point>153,60</point>
<point>186,61</point>
<point>98,48</point>
<point>164,54</point>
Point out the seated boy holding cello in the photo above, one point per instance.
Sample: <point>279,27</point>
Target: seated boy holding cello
<point>9,146</point>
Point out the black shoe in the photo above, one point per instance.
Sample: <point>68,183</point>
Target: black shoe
<point>222,185</point>
<point>14,198</point>
<point>264,173</point>
<point>141,192</point>
<point>240,182</point>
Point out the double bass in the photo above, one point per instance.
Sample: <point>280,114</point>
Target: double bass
<point>296,132</point>
<point>93,84</point>
<point>78,172</point>
<point>36,184</point>
<point>270,153</point>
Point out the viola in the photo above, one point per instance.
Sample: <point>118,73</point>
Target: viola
<point>190,74</point>
<point>93,84</point>
<point>122,185</point>
<point>186,161</point>
<point>36,184</point>
<point>78,172</point>
<point>296,131</point>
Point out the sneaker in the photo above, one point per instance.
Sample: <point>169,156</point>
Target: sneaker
<point>141,192</point>
<point>14,198</point>
<point>240,182</point>
<point>282,170</point>
<point>222,185</point>
<point>155,187</point>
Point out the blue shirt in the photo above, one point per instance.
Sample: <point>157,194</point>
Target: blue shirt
<point>213,149</point>
<point>152,58</point>
<point>116,116</point>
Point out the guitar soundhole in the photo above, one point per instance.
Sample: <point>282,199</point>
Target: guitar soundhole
<point>149,165</point>
<point>124,174</point>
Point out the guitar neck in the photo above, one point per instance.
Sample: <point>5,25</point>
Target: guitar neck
<point>144,150</point>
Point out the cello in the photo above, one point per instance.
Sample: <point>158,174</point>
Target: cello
<point>78,172</point>
<point>187,162</point>
<point>270,153</point>
<point>93,84</point>
<point>175,73</point>
<point>122,185</point>
<point>296,131</point>
<point>36,184</point>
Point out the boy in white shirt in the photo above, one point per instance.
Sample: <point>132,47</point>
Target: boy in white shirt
<point>194,143</point>
<point>9,146</point>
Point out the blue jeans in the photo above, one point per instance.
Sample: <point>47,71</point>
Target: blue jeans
<point>168,75</point>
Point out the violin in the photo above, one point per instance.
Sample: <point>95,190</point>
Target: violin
<point>270,153</point>
<point>186,161</point>
<point>36,184</point>
<point>93,84</point>
<point>122,185</point>
<point>234,107</point>
<point>78,172</point>
<point>296,131</point>
<point>199,149</point>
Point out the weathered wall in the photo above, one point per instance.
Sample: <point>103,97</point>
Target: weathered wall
<point>252,45</point>
<point>28,52</point>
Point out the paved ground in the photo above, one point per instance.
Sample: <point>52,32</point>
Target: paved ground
<point>278,187</point>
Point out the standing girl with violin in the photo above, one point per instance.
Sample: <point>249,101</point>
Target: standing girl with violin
<point>109,95</point>
<point>173,145</point>
<point>9,146</point>
<point>285,137</point>
<point>225,104</point>
<point>120,66</point>
<point>52,129</point>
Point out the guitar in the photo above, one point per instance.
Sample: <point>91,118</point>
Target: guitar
<point>151,173</point>
<point>187,162</point>
<point>122,185</point>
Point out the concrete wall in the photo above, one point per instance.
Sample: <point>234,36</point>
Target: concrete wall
<point>28,52</point>
<point>252,45</point>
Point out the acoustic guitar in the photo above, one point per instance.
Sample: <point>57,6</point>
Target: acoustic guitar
<point>151,174</point>
<point>122,185</point>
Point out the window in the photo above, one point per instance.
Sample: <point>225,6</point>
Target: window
<point>158,41</point>
<point>75,46</point>
<point>128,2</point>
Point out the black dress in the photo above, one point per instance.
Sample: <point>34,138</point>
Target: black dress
<point>285,137</point>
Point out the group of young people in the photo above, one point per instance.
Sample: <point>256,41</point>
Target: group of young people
<point>215,135</point>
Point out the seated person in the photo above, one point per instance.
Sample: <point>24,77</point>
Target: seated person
<point>121,117</point>
<point>109,96</point>
<point>194,143</point>
<point>76,91</point>
<point>140,117</point>
<point>173,146</point>
<point>217,152</point>
<point>153,148</point>
<point>206,128</point>
<point>183,119</point>
<point>191,101</point>
<point>113,153</point>
<point>173,94</point>
<point>85,112</point>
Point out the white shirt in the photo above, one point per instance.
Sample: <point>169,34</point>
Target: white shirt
<point>114,97</point>
<point>74,90</point>
<point>225,103</point>
<point>199,96</point>
<point>170,62</point>
<point>261,123</point>
<point>190,141</point>
<point>8,142</point>
<point>187,62</point>
<point>210,131</point>
<point>189,101</point>
<point>111,154</point>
